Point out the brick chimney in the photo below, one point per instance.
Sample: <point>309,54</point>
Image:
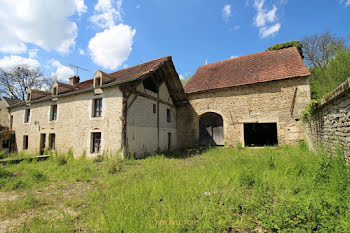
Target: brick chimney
<point>74,80</point>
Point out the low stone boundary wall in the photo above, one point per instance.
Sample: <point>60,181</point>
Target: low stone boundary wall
<point>330,125</point>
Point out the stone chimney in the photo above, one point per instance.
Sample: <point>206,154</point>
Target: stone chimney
<point>74,80</point>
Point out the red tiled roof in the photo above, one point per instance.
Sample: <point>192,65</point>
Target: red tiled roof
<point>249,69</point>
<point>137,71</point>
<point>11,101</point>
<point>65,85</point>
<point>124,75</point>
<point>128,74</point>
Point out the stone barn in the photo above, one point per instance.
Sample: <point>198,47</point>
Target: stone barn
<point>253,100</point>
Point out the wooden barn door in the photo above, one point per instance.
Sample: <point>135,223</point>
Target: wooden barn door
<point>211,130</point>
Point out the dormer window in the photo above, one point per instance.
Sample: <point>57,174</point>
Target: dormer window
<point>54,91</point>
<point>28,97</point>
<point>98,81</point>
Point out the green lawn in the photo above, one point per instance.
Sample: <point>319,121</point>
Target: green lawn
<point>285,189</point>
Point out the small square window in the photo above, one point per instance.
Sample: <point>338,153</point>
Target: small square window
<point>96,142</point>
<point>25,142</point>
<point>52,141</point>
<point>154,108</point>
<point>97,108</point>
<point>53,112</point>
<point>168,115</point>
<point>5,143</point>
<point>26,115</point>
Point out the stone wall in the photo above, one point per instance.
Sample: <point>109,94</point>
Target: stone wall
<point>4,115</point>
<point>74,123</point>
<point>142,126</point>
<point>330,126</point>
<point>270,102</point>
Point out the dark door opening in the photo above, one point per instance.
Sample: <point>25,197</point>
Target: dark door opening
<point>211,130</point>
<point>42,143</point>
<point>260,134</point>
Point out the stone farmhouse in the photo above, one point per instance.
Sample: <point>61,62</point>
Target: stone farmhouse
<point>254,100</point>
<point>6,134</point>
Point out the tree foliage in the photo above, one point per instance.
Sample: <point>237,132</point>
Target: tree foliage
<point>325,79</point>
<point>293,43</point>
<point>319,48</point>
<point>17,80</point>
<point>185,80</point>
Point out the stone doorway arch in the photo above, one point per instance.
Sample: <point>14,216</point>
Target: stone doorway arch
<point>211,129</point>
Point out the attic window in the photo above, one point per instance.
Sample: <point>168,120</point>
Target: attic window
<point>54,91</point>
<point>150,85</point>
<point>28,96</point>
<point>97,82</point>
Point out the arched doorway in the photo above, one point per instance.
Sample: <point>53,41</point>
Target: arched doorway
<point>211,129</point>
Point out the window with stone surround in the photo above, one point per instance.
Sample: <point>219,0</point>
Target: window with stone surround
<point>97,107</point>
<point>96,142</point>
<point>27,115</point>
<point>25,142</point>
<point>53,112</point>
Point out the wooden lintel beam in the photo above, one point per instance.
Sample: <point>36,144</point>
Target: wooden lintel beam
<point>153,98</point>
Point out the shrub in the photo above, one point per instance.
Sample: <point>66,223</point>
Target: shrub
<point>4,173</point>
<point>239,145</point>
<point>310,111</point>
<point>115,165</point>
<point>303,145</point>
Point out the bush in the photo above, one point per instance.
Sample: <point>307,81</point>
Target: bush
<point>4,173</point>
<point>115,165</point>
<point>310,111</point>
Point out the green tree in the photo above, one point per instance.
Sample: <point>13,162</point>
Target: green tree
<point>185,80</point>
<point>293,43</point>
<point>325,79</point>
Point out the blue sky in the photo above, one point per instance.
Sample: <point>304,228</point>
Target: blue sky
<point>112,34</point>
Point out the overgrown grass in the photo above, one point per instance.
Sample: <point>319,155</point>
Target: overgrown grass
<point>285,189</point>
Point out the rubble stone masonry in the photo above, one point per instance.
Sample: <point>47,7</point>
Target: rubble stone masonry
<point>330,126</point>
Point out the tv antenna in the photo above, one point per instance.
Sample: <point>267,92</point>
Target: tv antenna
<point>78,67</point>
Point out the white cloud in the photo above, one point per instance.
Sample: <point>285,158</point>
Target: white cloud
<point>81,8</point>
<point>138,6</point>
<point>44,23</point>
<point>233,56</point>
<point>62,72</point>
<point>345,2</point>
<point>236,28</point>
<point>112,47</point>
<point>226,12</point>
<point>81,51</point>
<point>264,18</point>
<point>11,61</point>
<point>267,31</point>
<point>106,15</point>
<point>33,53</point>
<point>12,46</point>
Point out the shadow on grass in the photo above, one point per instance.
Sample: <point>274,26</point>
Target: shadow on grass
<point>186,152</point>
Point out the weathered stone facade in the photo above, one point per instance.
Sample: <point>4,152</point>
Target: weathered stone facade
<point>4,116</point>
<point>330,127</point>
<point>280,102</point>
<point>148,130</point>
<point>74,123</point>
